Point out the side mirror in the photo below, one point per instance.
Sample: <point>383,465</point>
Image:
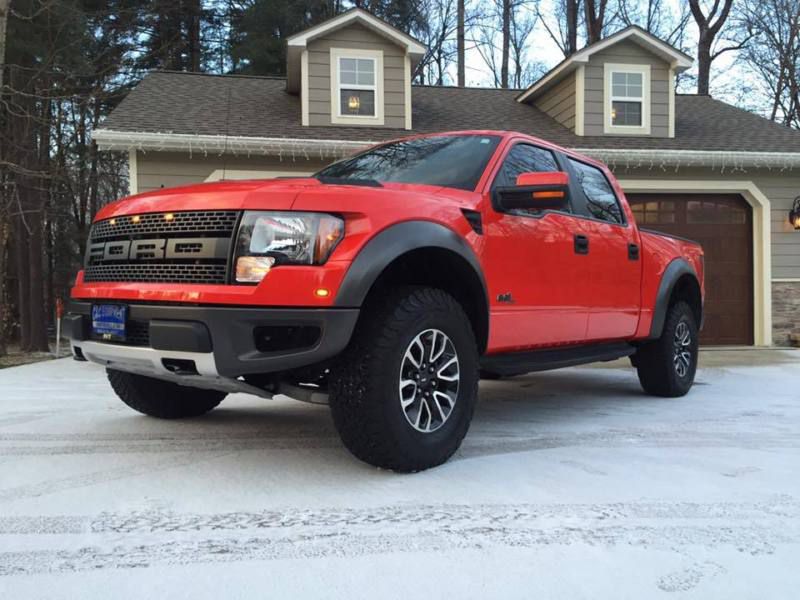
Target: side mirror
<point>535,191</point>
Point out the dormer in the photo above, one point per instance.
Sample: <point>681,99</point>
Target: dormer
<point>353,70</point>
<point>623,85</point>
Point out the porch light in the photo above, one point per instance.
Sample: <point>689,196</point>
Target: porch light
<point>794,214</point>
<point>354,103</point>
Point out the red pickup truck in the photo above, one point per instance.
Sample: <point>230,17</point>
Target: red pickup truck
<point>385,285</point>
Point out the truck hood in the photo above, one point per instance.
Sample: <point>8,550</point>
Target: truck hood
<point>284,194</point>
<point>262,194</point>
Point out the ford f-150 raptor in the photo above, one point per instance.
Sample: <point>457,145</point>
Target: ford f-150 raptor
<point>386,285</point>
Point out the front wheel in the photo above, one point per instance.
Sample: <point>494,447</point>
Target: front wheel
<point>403,394</point>
<point>162,399</point>
<point>667,366</point>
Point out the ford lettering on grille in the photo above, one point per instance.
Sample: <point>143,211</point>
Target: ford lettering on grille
<point>181,247</point>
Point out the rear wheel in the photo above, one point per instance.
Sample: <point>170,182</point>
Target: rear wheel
<point>404,392</point>
<point>667,366</point>
<point>162,399</point>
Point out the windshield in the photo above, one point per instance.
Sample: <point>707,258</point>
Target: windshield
<point>455,161</point>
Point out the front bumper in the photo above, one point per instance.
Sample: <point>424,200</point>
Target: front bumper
<point>212,341</point>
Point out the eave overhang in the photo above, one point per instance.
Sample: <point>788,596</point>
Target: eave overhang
<point>308,148</point>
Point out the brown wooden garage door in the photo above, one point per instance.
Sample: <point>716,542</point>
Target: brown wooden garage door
<point>723,225</point>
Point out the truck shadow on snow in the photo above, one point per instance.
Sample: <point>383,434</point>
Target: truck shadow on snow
<point>529,412</point>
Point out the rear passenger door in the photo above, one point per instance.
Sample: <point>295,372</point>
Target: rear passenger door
<point>536,278</point>
<point>614,257</point>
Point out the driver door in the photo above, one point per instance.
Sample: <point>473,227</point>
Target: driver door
<point>537,274</point>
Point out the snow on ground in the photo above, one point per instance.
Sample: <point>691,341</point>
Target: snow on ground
<point>570,484</point>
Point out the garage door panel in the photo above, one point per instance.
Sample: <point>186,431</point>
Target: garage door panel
<point>722,224</point>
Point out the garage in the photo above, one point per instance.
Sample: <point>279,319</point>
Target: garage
<point>722,223</point>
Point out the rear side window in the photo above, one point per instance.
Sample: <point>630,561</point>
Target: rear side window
<point>524,158</point>
<point>601,202</point>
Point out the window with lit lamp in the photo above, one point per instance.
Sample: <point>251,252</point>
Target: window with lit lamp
<point>356,82</point>
<point>627,101</point>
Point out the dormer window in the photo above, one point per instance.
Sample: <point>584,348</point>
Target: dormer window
<point>357,87</point>
<point>627,99</point>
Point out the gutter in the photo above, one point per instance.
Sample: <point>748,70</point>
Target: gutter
<point>109,139</point>
<point>615,158</point>
<point>629,158</point>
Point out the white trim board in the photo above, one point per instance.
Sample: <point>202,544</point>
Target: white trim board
<point>133,172</point>
<point>411,45</point>
<point>762,236</point>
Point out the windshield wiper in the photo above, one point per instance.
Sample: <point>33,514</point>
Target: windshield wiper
<point>347,181</point>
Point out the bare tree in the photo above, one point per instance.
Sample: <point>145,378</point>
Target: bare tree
<point>461,46</point>
<point>523,24</point>
<point>594,12</point>
<point>709,25</point>
<point>561,23</point>
<point>502,34</point>
<point>506,41</point>
<point>5,6</point>
<point>656,17</point>
<point>774,26</point>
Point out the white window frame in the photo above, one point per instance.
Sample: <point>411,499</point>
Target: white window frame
<point>376,56</point>
<point>608,93</point>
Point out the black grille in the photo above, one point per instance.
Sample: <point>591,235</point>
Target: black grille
<point>153,247</point>
<point>157,272</point>
<point>182,224</point>
<point>137,333</point>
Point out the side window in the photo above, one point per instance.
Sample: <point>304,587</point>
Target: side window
<point>601,202</point>
<point>524,158</point>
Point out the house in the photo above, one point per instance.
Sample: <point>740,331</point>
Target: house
<point>690,165</point>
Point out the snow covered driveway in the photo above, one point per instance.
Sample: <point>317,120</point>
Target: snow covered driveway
<point>570,484</point>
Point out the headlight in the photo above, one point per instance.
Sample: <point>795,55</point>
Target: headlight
<point>269,239</point>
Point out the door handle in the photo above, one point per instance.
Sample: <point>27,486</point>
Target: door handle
<point>633,251</point>
<point>581,244</point>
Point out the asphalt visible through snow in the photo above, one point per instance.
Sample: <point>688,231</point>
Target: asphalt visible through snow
<point>570,484</point>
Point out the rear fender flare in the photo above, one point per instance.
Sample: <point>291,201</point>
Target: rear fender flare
<point>674,271</point>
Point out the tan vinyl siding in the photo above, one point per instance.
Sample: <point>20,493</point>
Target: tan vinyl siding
<point>169,169</point>
<point>780,189</point>
<point>559,102</point>
<point>355,37</point>
<point>627,52</point>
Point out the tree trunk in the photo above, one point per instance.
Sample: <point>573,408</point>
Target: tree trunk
<point>703,64</point>
<point>506,43</point>
<point>194,36</point>
<point>462,76</point>
<point>4,8</point>
<point>23,279</point>
<point>595,14</point>
<point>4,308</point>
<point>572,27</point>
<point>36,305</point>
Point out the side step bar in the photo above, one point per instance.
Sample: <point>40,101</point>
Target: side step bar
<point>517,363</point>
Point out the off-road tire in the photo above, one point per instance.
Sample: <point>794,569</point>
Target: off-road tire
<point>162,399</point>
<point>655,361</point>
<point>364,397</point>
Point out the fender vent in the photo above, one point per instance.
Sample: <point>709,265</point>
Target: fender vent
<point>473,217</point>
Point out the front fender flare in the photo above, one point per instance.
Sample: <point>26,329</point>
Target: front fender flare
<point>393,242</point>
